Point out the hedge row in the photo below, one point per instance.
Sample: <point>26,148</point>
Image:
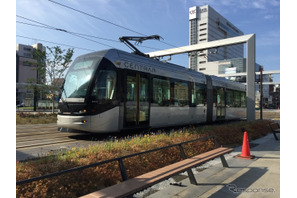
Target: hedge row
<point>83,182</point>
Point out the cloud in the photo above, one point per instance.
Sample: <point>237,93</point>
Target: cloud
<point>268,16</point>
<point>259,4</point>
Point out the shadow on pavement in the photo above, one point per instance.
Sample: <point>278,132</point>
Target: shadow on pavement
<point>241,184</point>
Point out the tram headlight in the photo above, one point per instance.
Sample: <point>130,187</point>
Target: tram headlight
<point>82,111</point>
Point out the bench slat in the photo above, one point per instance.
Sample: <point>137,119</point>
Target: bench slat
<point>146,180</point>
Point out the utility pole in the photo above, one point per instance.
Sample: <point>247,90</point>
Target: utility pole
<point>261,92</point>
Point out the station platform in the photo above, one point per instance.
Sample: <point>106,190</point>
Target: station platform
<point>258,177</point>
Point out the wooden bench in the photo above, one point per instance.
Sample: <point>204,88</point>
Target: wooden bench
<point>275,128</point>
<point>134,185</point>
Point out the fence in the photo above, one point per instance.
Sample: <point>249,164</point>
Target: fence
<point>119,160</point>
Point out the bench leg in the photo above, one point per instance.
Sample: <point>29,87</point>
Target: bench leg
<point>189,171</point>
<point>192,177</point>
<point>224,162</point>
<point>275,136</point>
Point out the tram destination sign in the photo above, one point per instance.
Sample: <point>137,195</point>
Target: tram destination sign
<point>137,67</point>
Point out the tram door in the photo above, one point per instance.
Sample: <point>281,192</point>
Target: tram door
<point>137,100</point>
<point>221,105</point>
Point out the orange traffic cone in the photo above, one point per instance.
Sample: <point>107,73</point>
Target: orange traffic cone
<point>245,152</point>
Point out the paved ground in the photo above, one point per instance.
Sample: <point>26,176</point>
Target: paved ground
<point>259,177</point>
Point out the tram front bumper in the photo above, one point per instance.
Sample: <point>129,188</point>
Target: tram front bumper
<point>82,123</point>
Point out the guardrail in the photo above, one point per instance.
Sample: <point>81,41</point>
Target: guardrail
<point>120,161</point>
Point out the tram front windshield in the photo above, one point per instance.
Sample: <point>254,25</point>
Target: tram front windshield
<point>78,79</point>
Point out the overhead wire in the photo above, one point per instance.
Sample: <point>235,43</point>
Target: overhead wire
<point>93,16</point>
<point>82,35</point>
<point>62,30</point>
<point>106,21</point>
<point>55,43</point>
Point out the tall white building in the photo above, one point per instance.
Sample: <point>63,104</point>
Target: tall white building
<point>205,25</point>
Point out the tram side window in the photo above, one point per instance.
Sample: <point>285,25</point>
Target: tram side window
<point>143,92</point>
<point>199,95</point>
<point>229,98</point>
<point>180,94</point>
<point>161,92</point>
<point>220,96</point>
<point>215,96</point>
<point>243,99</point>
<point>237,99</point>
<point>103,91</point>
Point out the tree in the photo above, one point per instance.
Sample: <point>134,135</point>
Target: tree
<point>51,67</point>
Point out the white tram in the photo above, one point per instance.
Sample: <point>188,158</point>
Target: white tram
<point>112,90</point>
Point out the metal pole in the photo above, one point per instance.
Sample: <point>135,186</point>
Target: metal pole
<point>261,92</point>
<point>123,170</point>
<point>250,80</point>
<point>35,98</point>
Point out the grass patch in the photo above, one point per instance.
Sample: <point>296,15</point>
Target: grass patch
<point>82,182</point>
<point>35,118</point>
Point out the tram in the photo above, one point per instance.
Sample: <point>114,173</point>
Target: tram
<point>112,90</point>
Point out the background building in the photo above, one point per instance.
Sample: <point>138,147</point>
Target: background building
<point>206,24</point>
<point>25,72</point>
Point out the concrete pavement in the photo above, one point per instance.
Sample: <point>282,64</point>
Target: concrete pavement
<point>259,177</point>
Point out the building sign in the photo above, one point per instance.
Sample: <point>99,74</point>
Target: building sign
<point>193,12</point>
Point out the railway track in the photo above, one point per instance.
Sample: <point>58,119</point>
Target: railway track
<point>39,135</point>
<point>39,139</point>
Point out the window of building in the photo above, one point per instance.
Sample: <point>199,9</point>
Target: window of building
<point>29,55</point>
<point>27,63</point>
<point>27,49</point>
<point>193,32</point>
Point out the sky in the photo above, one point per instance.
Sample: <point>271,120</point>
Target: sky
<point>111,19</point>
